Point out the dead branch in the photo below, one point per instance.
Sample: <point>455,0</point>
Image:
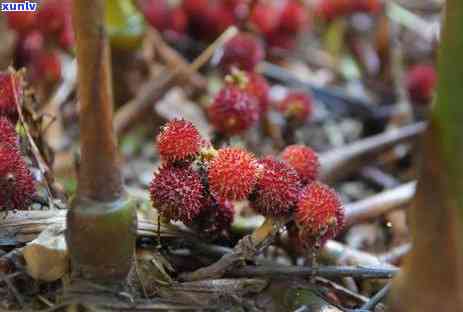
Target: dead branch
<point>339,162</point>
<point>280,271</point>
<point>156,87</point>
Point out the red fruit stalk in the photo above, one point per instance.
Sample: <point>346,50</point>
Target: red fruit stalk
<point>232,174</point>
<point>177,193</point>
<point>304,160</point>
<point>277,189</point>
<point>233,111</point>
<point>421,81</point>
<point>319,214</point>
<point>16,183</point>
<point>244,51</point>
<point>179,140</point>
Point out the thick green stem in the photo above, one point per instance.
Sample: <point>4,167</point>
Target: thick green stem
<point>101,222</point>
<point>432,278</point>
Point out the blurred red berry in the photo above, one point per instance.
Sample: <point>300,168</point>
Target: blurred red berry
<point>367,6</point>
<point>233,111</point>
<point>179,140</point>
<point>195,8</point>
<point>304,160</point>
<point>47,66</point>
<point>178,20</point>
<point>8,136</point>
<point>277,189</point>
<point>217,19</point>
<point>258,86</point>
<point>29,47</point>
<point>177,193</point>
<point>232,174</point>
<point>16,183</point>
<point>244,51</point>
<point>294,17</point>
<point>421,81</point>
<point>53,15</point>
<point>297,106</point>
<point>10,85</point>
<point>281,40</point>
<point>265,17</point>
<point>21,22</point>
<point>66,37</point>
<point>319,214</point>
<point>156,13</point>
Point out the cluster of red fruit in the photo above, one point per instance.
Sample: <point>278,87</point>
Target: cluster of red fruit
<point>16,182</point>
<point>197,184</point>
<point>279,21</point>
<point>34,49</point>
<point>244,99</point>
<point>332,9</point>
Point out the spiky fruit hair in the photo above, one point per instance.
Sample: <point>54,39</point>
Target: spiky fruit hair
<point>277,189</point>
<point>16,182</point>
<point>232,174</point>
<point>8,137</point>
<point>304,160</point>
<point>319,214</point>
<point>10,85</point>
<point>179,140</point>
<point>177,193</point>
<point>233,110</point>
<point>258,86</point>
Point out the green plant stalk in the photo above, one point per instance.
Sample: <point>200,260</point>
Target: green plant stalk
<point>432,277</point>
<point>101,223</point>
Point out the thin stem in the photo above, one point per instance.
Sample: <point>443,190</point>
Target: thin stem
<point>99,174</point>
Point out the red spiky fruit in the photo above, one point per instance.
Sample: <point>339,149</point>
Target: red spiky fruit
<point>282,40</point>
<point>66,37</point>
<point>319,214</point>
<point>10,86</point>
<point>304,160</point>
<point>216,217</point>
<point>232,174</point>
<point>265,17</point>
<point>21,22</point>
<point>47,66</point>
<point>297,106</point>
<point>195,8</point>
<point>179,140</point>
<point>216,20</point>
<point>8,136</point>
<point>244,51</point>
<point>16,183</point>
<point>53,15</point>
<point>233,110</point>
<point>367,6</point>
<point>178,20</point>
<point>177,193</point>
<point>294,17</point>
<point>258,86</point>
<point>29,47</point>
<point>331,9</point>
<point>277,189</point>
<point>156,12</point>
<point>421,81</point>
